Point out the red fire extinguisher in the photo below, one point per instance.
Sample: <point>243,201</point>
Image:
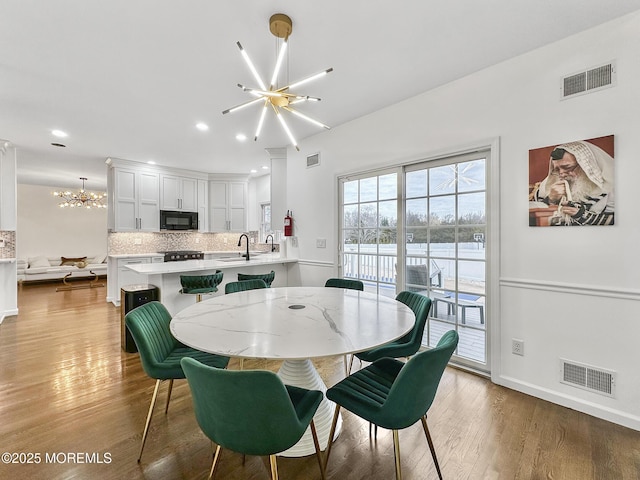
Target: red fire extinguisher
<point>288,224</point>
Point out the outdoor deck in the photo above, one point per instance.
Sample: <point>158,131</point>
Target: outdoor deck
<point>472,335</point>
<point>444,316</point>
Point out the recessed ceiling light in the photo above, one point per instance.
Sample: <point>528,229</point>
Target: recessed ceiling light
<point>241,137</point>
<point>203,127</point>
<point>264,167</point>
<point>58,145</point>
<point>254,170</point>
<point>151,162</point>
<point>59,133</point>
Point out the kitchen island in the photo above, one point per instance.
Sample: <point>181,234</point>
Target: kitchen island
<point>166,276</point>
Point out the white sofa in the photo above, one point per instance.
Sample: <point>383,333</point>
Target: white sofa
<point>51,268</point>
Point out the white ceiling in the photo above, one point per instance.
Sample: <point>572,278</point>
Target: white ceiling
<point>130,79</point>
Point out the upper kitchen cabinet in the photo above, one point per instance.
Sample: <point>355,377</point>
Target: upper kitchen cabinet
<point>228,206</point>
<point>137,192</point>
<point>178,193</point>
<point>133,200</point>
<point>203,206</point>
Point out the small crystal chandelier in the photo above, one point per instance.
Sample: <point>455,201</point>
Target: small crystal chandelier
<point>81,199</point>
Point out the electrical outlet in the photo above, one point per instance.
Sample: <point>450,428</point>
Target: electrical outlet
<point>224,240</point>
<point>1,242</point>
<point>517,346</point>
<point>137,241</point>
<point>197,240</point>
<point>321,243</point>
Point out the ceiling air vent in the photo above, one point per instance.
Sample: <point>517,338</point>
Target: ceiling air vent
<point>593,379</point>
<point>313,160</point>
<point>588,81</point>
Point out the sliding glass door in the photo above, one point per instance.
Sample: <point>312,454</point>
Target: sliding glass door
<point>445,245</point>
<point>369,230</point>
<point>423,227</point>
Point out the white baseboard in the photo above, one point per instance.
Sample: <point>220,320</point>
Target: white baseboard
<point>8,313</point>
<point>609,414</point>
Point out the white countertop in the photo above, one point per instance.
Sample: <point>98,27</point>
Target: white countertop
<point>7,260</point>
<point>217,264</point>
<point>136,255</point>
<point>220,253</point>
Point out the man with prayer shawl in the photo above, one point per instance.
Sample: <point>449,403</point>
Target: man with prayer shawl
<point>580,184</point>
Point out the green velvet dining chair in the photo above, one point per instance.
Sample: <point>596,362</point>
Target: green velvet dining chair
<point>268,278</point>
<point>251,412</point>
<point>244,285</point>
<point>345,283</point>
<point>395,395</point>
<point>351,285</point>
<point>160,352</point>
<point>408,344</point>
<point>199,285</point>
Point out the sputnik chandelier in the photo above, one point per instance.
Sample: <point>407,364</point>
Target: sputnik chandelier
<point>278,98</point>
<point>81,199</point>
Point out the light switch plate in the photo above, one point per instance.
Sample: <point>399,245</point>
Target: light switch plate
<point>321,243</point>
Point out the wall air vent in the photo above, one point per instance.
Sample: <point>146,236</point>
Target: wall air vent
<point>313,160</point>
<point>587,377</point>
<point>589,81</point>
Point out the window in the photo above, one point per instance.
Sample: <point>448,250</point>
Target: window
<point>446,226</point>
<point>265,220</point>
<point>370,230</point>
<point>437,209</point>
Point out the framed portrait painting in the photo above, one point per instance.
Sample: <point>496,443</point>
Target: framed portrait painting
<point>571,184</point>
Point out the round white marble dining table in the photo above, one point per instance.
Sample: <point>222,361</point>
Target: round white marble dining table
<point>294,324</point>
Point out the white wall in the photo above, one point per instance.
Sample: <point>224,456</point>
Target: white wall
<point>259,192</point>
<point>46,229</point>
<point>567,292</point>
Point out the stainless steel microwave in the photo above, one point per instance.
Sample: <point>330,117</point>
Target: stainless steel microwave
<point>170,220</point>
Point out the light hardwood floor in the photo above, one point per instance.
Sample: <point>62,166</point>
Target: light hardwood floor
<point>66,387</point>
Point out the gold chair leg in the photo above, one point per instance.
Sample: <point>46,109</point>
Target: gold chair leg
<point>331,434</point>
<point>375,431</point>
<point>274,467</point>
<point>166,407</point>
<point>198,297</point>
<point>350,365</point>
<point>396,454</point>
<point>215,461</point>
<point>431,447</point>
<point>346,367</point>
<point>149,415</point>
<point>242,364</point>
<point>317,445</point>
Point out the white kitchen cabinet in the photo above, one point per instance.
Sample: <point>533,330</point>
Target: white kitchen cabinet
<point>203,206</point>
<point>178,193</point>
<point>135,201</point>
<point>228,206</point>
<point>119,275</point>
